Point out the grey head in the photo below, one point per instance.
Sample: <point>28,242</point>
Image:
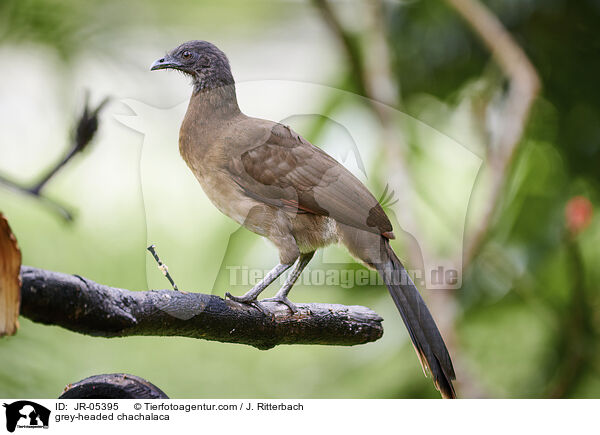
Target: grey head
<point>202,61</point>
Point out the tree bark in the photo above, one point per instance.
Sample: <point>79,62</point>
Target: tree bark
<point>83,306</point>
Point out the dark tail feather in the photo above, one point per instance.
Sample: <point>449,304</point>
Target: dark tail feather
<point>425,336</point>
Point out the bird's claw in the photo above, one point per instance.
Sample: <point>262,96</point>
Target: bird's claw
<point>249,301</point>
<point>240,299</point>
<point>283,300</point>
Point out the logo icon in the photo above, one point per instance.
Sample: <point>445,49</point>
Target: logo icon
<point>26,414</point>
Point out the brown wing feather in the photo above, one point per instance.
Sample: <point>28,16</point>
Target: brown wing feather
<point>288,172</point>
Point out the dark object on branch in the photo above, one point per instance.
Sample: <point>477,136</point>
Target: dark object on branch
<point>86,128</point>
<point>113,386</point>
<point>84,306</point>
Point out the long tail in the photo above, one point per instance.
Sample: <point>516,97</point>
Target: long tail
<point>425,336</point>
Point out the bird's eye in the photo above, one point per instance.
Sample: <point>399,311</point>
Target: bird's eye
<point>186,54</point>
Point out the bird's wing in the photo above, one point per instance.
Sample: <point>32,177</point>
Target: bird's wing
<point>287,171</point>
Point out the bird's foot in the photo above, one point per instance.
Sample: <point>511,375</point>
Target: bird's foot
<point>249,301</point>
<point>283,300</point>
<point>246,299</point>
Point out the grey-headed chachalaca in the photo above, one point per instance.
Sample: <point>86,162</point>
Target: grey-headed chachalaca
<point>268,178</point>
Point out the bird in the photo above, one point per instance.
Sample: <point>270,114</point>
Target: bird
<point>268,178</point>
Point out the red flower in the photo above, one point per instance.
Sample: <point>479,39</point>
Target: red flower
<point>578,214</point>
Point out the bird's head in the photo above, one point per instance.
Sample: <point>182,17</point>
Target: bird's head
<point>205,63</point>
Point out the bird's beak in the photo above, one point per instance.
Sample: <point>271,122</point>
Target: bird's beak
<point>164,63</point>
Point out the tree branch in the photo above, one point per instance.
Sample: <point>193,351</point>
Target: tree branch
<point>503,141</point>
<point>524,85</point>
<point>83,306</point>
<point>349,43</point>
<point>113,386</point>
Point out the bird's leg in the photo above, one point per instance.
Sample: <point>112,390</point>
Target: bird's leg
<point>253,293</point>
<point>283,292</point>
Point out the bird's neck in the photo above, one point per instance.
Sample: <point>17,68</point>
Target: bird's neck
<point>214,102</point>
<point>208,111</point>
